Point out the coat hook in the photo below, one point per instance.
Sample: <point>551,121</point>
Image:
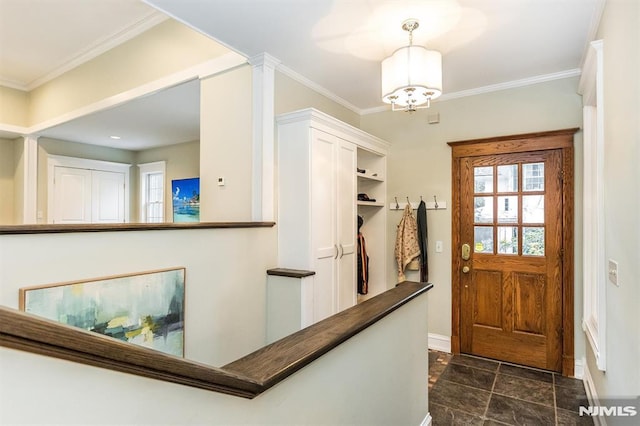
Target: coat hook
<point>436,202</point>
<point>421,198</point>
<point>397,205</point>
<point>408,202</point>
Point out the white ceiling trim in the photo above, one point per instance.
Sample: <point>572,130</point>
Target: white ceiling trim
<point>12,84</point>
<point>206,69</point>
<point>512,84</point>
<point>9,131</point>
<point>593,29</point>
<point>94,50</point>
<point>494,88</point>
<point>316,87</point>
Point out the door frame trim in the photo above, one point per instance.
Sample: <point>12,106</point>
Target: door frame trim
<point>540,141</point>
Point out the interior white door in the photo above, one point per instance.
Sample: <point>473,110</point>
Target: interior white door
<point>88,196</point>
<point>107,197</point>
<point>323,208</point>
<point>72,195</point>
<point>346,224</point>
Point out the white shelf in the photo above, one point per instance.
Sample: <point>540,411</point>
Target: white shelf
<point>371,203</point>
<point>368,176</point>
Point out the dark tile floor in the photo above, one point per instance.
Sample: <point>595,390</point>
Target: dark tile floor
<point>465,390</point>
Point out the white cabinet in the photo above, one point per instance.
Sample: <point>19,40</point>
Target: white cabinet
<point>333,219</point>
<point>317,205</point>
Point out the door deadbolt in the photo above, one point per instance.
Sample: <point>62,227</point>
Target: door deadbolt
<point>465,269</point>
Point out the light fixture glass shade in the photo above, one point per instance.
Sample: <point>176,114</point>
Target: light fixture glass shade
<point>412,76</point>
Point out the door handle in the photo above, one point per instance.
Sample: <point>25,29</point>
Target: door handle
<point>335,247</point>
<point>341,251</point>
<point>465,269</point>
<point>466,252</point>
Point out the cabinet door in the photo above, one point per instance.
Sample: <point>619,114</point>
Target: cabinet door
<point>346,224</point>
<point>108,197</point>
<point>72,195</point>
<point>323,222</point>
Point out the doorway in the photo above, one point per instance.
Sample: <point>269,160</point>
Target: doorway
<point>87,191</point>
<point>512,251</point>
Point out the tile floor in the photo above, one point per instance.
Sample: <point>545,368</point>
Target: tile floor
<point>465,390</point>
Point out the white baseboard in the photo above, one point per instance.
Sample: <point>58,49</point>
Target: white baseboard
<point>578,369</point>
<point>590,389</point>
<point>427,420</point>
<point>438,342</point>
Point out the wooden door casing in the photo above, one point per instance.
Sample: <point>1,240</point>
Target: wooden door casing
<point>561,140</point>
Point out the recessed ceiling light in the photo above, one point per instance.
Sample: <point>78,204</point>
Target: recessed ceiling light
<point>115,137</point>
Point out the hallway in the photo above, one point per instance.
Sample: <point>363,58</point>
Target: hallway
<point>465,390</point>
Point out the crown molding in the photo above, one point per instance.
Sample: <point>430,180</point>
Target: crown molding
<point>512,84</point>
<point>99,47</point>
<point>13,84</point>
<point>493,88</point>
<point>316,87</point>
<point>9,131</point>
<point>593,29</point>
<point>264,59</point>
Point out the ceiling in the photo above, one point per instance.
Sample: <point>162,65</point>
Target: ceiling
<point>339,44</point>
<point>164,118</point>
<point>334,46</point>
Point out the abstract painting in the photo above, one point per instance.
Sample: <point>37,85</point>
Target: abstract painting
<point>145,308</point>
<point>186,200</point>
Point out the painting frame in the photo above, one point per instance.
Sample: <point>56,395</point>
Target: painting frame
<point>144,308</point>
<point>185,200</point>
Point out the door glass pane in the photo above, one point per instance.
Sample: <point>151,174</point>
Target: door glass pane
<point>533,241</point>
<point>508,178</point>
<point>508,239</point>
<point>483,239</point>
<point>533,177</point>
<point>483,209</point>
<point>508,209</point>
<point>483,179</point>
<point>533,209</point>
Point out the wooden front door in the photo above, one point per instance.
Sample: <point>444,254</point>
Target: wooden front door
<point>509,249</point>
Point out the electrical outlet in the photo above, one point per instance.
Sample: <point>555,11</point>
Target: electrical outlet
<point>613,272</point>
<point>221,181</point>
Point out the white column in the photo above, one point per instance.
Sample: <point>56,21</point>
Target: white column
<point>29,180</point>
<point>262,184</point>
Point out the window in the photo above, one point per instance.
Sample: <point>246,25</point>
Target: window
<point>518,225</point>
<point>152,192</point>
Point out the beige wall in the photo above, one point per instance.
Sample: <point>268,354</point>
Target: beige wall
<point>292,96</point>
<point>14,106</point>
<point>225,278</point>
<point>182,161</point>
<point>619,30</point>
<point>226,145</point>
<point>7,170</point>
<point>419,164</point>
<point>170,47</point>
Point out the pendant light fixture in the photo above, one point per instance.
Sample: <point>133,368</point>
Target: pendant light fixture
<point>412,75</point>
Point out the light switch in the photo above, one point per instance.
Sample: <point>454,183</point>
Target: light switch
<point>613,272</point>
<point>438,246</point>
<point>220,181</point>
